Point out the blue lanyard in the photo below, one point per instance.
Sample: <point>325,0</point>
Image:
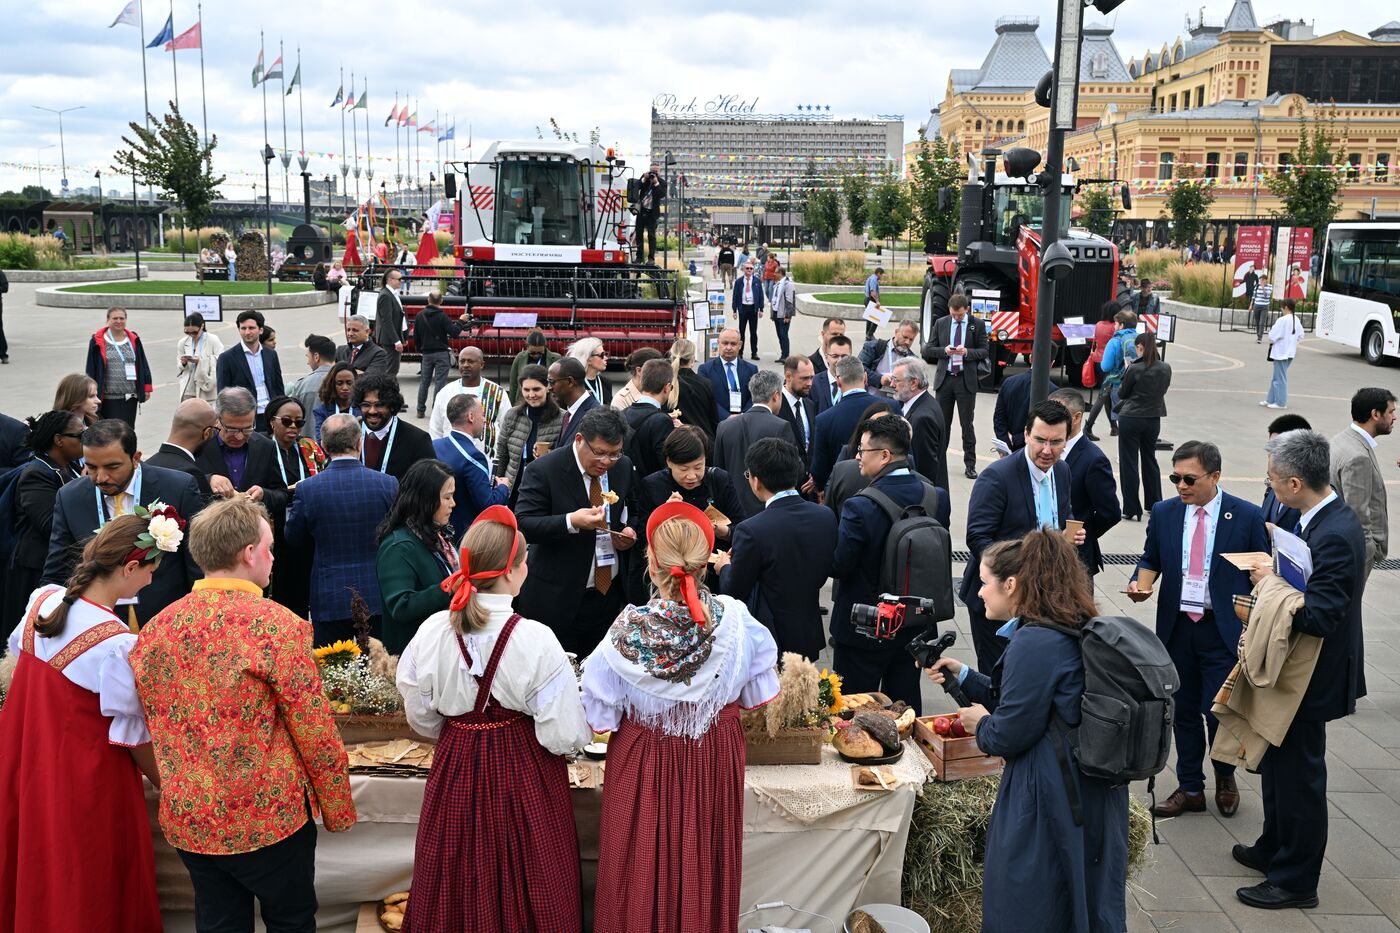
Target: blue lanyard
<point>102,506</point>
<point>118,347</point>
<point>451,436</point>
<point>301,465</point>
<point>388,444</point>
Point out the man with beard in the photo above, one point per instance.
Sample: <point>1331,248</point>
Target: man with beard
<point>391,445</point>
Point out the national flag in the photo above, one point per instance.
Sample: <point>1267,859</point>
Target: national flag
<point>393,115</point>
<point>403,115</point>
<point>129,16</point>
<point>296,79</point>
<point>349,101</point>
<point>363,102</point>
<point>189,39</point>
<point>450,134</point>
<point>339,95</point>
<point>167,34</point>
<point>413,118</point>
<point>258,70</point>
<point>426,129</point>
<point>275,71</point>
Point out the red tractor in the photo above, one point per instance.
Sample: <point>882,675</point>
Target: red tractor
<point>997,265</point>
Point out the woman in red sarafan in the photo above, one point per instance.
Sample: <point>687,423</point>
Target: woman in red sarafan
<point>670,678</point>
<point>75,840</point>
<point>497,849</point>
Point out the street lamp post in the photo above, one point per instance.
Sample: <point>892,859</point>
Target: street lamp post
<point>101,215</point>
<point>62,153</point>
<point>135,234</point>
<point>268,155</point>
<point>666,228</point>
<point>330,209</point>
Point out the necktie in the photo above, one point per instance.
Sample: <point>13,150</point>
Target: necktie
<point>955,364</point>
<point>733,380</point>
<point>835,391</point>
<point>1298,529</point>
<point>1196,566</point>
<point>1044,506</point>
<point>602,576</point>
<point>564,429</point>
<point>802,423</point>
<point>122,504</point>
<point>354,352</point>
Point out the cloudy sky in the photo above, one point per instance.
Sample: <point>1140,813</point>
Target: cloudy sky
<point>504,69</point>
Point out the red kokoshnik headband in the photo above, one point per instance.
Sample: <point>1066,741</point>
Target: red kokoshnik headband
<point>688,512</point>
<point>459,582</point>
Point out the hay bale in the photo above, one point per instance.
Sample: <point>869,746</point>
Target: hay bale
<point>948,844</point>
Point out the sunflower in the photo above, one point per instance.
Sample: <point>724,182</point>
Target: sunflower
<point>340,652</point>
<point>829,691</point>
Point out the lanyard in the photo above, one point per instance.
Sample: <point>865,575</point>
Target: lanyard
<point>452,436</point>
<point>102,506</point>
<point>195,345</point>
<point>301,465</point>
<point>388,444</point>
<point>118,347</point>
<point>598,392</point>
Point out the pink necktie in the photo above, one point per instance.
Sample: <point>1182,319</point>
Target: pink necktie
<point>1197,566</point>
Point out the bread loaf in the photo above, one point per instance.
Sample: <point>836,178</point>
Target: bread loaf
<point>881,728</point>
<point>855,742</point>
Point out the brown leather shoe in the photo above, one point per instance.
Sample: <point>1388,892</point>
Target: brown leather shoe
<point>1181,802</point>
<point>1227,795</point>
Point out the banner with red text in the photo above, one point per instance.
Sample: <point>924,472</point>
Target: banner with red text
<point>1251,256</point>
<point>1293,262</point>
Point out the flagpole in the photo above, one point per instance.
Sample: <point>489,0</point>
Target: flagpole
<point>355,140</point>
<point>173,69</point>
<point>286,156</point>
<point>398,165</point>
<point>203,98</point>
<point>417,152</point>
<point>302,159</point>
<point>437,132</point>
<point>369,159</point>
<point>262,57</point>
<point>344,165</point>
<point>145,88</point>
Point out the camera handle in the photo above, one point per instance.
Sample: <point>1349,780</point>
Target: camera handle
<point>927,649</point>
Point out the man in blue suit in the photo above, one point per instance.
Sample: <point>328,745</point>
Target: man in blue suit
<point>1186,540</point>
<point>476,489</point>
<point>1275,512</point>
<point>1013,401</point>
<point>863,662</point>
<point>1017,494</point>
<point>1293,775</point>
<point>833,427</point>
<point>748,305</point>
<point>1093,493</point>
<point>825,389</point>
<point>780,558</point>
<point>729,375</point>
<point>338,511</point>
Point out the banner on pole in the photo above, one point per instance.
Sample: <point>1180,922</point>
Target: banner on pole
<point>1251,256</point>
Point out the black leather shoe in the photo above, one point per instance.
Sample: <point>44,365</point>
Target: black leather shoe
<point>1091,436</point>
<point>1267,896</point>
<point>1246,857</point>
<point>970,472</point>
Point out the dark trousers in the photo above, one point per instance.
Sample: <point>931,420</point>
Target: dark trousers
<point>880,665</point>
<point>1202,663</point>
<point>955,391</point>
<point>1137,446</point>
<point>985,641</point>
<point>782,327</point>
<point>122,408</point>
<point>748,320</point>
<point>4,344</point>
<point>324,633</point>
<point>281,876</point>
<point>595,613</point>
<point>1293,783</point>
<point>646,230</point>
<point>1103,401</point>
<point>435,369</point>
<point>869,325</point>
<point>393,368</point>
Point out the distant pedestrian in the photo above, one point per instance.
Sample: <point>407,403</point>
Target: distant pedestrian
<point>872,293</point>
<point>1141,409</point>
<point>782,295</point>
<point>1259,302</point>
<point>724,261</point>
<point>432,331</point>
<point>651,191</point>
<point>116,361</point>
<point>1283,347</point>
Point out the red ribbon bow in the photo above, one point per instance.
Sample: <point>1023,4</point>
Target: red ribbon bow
<point>459,582</point>
<point>687,512</point>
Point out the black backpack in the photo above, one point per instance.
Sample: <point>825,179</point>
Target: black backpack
<point>1125,726</point>
<point>918,558</point>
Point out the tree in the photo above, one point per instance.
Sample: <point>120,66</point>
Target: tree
<point>780,201</point>
<point>1096,205</point>
<point>889,208</point>
<point>1310,185</point>
<point>855,190</point>
<point>1188,205</point>
<point>171,157</point>
<point>937,165</point>
<point>823,213</point>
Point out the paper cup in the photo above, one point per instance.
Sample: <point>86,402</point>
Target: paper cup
<point>1145,579</point>
<point>541,448</point>
<point>1072,528</point>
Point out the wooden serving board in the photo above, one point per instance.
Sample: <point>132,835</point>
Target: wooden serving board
<point>953,758</point>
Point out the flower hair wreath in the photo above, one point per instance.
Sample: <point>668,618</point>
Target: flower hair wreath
<point>165,529</point>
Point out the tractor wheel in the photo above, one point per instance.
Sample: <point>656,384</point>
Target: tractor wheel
<point>933,302</point>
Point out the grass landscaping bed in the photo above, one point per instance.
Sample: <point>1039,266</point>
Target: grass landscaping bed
<point>889,300</point>
<point>187,288</point>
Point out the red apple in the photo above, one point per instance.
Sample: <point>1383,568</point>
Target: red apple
<point>942,725</point>
<point>958,731</point>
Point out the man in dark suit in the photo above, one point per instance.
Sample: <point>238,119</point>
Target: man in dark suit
<point>648,423</point>
<point>251,366</point>
<point>1275,512</point>
<point>388,320</point>
<point>825,389</point>
<point>748,305</point>
<point>780,558</point>
<point>239,461</point>
<point>800,412</point>
<point>863,662</point>
<point>729,375</point>
<point>1013,401</point>
<point>360,353</point>
<point>115,483</point>
<point>1093,493</point>
<point>566,383</point>
<point>928,446</point>
<point>831,327</point>
<point>337,512</point>
<point>575,533</point>
<point>391,445</point>
<point>880,357</point>
<point>1293,775</point>
<point>1017,494</point>
<point>736,435</point>
<point>476,489</point>
<point>13,453</point>
<point>190,429</point>
<point>834,426</point>
<point>1187,538</point>
<point>957,346</point>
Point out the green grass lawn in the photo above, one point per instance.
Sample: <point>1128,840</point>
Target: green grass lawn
<point>890,300</point>
<point>186,288</point>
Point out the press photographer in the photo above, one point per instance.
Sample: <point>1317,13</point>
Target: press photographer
<point>651,191</point>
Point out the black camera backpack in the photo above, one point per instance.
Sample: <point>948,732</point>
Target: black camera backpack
<point>918,557</point>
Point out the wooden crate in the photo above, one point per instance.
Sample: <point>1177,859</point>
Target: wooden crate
<point>356,728</point>
<point>953,758</point>
<point>788,747</point>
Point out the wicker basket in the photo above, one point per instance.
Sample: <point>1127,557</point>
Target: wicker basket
<point>375,727</point>
<point>788,747</point>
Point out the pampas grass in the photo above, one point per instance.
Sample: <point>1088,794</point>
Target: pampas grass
<point>798,683</point>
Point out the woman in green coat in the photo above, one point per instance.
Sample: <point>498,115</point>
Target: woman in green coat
<point>416,551</point>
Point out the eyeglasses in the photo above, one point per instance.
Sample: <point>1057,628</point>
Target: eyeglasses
<point>235,431</point>
<point>608,457</point>
<point>601,353</point>
<point>368,405</point>
<point>1178,478</point>
<point>860,451</point>
<point>1048,442</point>
<point>291,422</point>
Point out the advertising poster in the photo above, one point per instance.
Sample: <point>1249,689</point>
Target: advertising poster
<point>1251,256</point>
<point>1293,262</point>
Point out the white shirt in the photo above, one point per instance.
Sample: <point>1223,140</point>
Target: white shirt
<point>910,404</point>
<point>800,411</point>
<point>437,422</point>
<point>1069,445</point>
<point>588,491</point>
<point>132,485</point>
<point>1311,513</point>
<point>533,676</point>
<point>382,432</point>
<point>1188,529</point>
<point>1370,441</point>
<point>1284,337</point>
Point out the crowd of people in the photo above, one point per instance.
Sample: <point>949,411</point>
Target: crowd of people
<point>674,536</point>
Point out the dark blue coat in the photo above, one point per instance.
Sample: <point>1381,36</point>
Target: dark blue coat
<point>781,559</point>
<point>1332,611</point>
<point>1093,496</point>
<point>338,511</point>
<point>1041,873</point>
<point>1278,513</point>
<point>476,487</point>
<point>231,369</point>
<point>1241,529</point>
<point>739,292</point>
<point>860,548</point>
<point>833,428</point>
<point>1013,405</point>
<point>1002,507</point>
<point>713,370</point>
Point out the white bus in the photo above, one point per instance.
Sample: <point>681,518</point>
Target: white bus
<point>1359,301</point>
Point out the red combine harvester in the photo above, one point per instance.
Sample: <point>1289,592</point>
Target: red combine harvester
<point>998,264</point>
<point>540,231</point>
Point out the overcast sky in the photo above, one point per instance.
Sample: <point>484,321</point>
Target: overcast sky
<point>506,68</point>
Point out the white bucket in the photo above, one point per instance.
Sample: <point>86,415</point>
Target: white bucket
<point>893,919</point>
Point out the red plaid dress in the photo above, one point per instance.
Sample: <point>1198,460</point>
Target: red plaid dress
<point>497,849</point>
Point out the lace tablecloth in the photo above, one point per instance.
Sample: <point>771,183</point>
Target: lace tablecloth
<point>809,793</point>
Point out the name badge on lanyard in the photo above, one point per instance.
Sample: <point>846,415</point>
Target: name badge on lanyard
<point>467,457</point>
<point>1193,594</point>
<point>603,551</point>
<point>736,402</point>
<point>129,367</point>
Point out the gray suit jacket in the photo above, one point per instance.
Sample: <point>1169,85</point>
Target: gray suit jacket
<point>1356,475</point>
<point>732,441</point>
<point>974,338</point>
